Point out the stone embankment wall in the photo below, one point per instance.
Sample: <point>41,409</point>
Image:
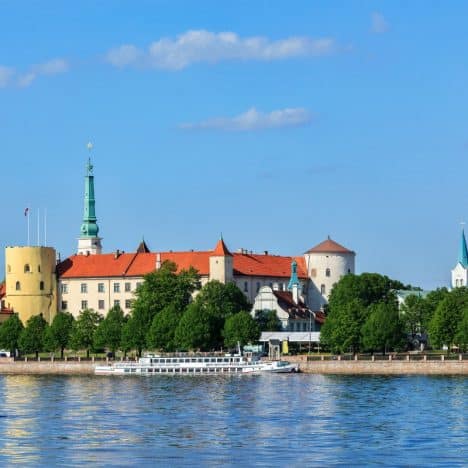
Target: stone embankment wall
<point>383,367</point>
<point>9,366</point>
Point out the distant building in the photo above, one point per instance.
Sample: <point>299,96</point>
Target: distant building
<point>460,272</point>
<point>92,279</point>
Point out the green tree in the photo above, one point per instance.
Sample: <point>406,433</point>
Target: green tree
<point>268,320</point>
<point>413,314</point>
<point>196,329</point>
<point>383,329</point>
<point>161,334</point>
<point>341,331</point>
<point>10,332</point>
<point>431,301</point>
<point>159,289</point>
<point>447,317</point>
<point>108,334</point>
<point>31,339</point>
<point>461,338</point>
<point>57,336</point>
<point>242,328</point>
<point>84,327</point>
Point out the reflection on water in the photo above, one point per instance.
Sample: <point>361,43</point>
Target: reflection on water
<point>264,420</point>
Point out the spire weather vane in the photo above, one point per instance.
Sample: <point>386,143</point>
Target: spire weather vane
<point>90,166</point>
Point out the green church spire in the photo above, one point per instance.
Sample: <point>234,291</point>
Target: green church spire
<point>463,252</point>
<point>89,228</point>
<point>294,280</point>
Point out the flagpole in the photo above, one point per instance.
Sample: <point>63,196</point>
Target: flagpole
<point>45,227</point>
<point>27,215</point>
<point>38,227</point>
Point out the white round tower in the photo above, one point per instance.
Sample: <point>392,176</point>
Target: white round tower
<point>326,263</point>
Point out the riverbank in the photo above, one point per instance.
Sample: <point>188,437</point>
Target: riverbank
<point>382,367</point>
<point>343,367</point>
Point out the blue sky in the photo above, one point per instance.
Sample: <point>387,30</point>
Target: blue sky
<point>275,123</point>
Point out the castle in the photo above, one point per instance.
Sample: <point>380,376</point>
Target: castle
<point>36,284</point>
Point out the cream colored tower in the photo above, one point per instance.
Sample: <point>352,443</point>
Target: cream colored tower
<point>221,263</point>
<point>31,284</point>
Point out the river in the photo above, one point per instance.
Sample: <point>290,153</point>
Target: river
<point>238,420</point>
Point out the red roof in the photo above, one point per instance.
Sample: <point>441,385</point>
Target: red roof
<point>221,250</point>
<point>2,290</point>
<point>139,264</point>
<point>329,246</point>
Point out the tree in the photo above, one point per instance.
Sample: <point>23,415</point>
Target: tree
<point>31,339</point>
<point>223,300</point>
<point>383,330</point>
<point>161,334</point>
<point>240,328</point>
<point>10,332</point>
<point>268,320</point>
<point>84,327</point>
<point>348,308</point>
<point>159,289</point>
<point>448,314</point>
<point>413,312</point>
<point>196,329</point>
<point>108,334</point>
<point>57,336</point>
<point>219,301</point>
<point>461,338</point>
<point>341,331</point>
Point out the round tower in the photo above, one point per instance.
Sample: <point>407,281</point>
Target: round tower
<point>326,263</point>
<point>31,285</point>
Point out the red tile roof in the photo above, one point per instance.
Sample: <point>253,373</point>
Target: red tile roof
<point>139,264</point>
<point>221,249</point>
<point>329,246</point>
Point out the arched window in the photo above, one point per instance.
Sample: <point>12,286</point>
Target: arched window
<point>38,268</point>
<point>327,272</point>
<point>27,268</point>
<point>18,286</point>
<point>41,285</point>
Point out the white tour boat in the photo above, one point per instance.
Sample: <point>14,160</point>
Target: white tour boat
<point>195,364</point>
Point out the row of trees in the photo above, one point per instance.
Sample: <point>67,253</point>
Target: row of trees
<point>363,315</point>
<point>164,316</point>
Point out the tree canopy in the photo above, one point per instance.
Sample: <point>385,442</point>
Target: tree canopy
<point>108,334</point>
<point>57,336</point>
<point>196,329</point>
<point>240,328</point>
<point>10,332</point>
<point>84,327</point>
<point>31,339</point>
<point>268,320</point>
<point>161,334</point>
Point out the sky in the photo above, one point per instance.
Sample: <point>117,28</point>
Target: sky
<point>274,123</point>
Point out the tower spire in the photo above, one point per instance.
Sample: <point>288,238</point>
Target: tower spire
<point>294,280</point>
<point>89,242</point>
<point>463,251</point>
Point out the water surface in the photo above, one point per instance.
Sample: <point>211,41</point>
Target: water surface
<point>261,420</point>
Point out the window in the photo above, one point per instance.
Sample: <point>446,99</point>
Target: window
<point>271,285</point>
<point>313,272</point>
<point>27,268</point>
<point>116,287</point>
<point>38,268</point>
<point>246,286</point>
<point>323,290</point>
<point>327,272</point>
<point>64,288</point>
<point>84,288</point>
<point>128,287</point>
<point>64,305</point>
<point>18,286</point>
<point>304,326</point>
<point>116,302</point>
<point>101,304</point>
<point>41,285</point>
<point>258,286</point>
<point>128,303</point>
<point>138,285</point>
<point>9,268</point>
<point>84,305</point>
<point>100,287</point>
<point>349,271</point>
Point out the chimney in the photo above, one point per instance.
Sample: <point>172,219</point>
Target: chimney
<point>295,293</point>
<point>266,252</point>
<point>117,254</point>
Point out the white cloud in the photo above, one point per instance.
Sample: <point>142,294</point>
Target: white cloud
<point>200,46</point>
<point>51,67</point>
<point>6,75</point>
<point>379,24</point>
<point>255,120</point>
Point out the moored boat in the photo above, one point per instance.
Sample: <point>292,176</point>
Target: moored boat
<point>192,364</point>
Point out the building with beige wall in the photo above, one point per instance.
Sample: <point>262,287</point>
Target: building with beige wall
<point>31,283</point>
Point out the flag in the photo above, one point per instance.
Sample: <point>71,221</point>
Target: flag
<point>26,211</point>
